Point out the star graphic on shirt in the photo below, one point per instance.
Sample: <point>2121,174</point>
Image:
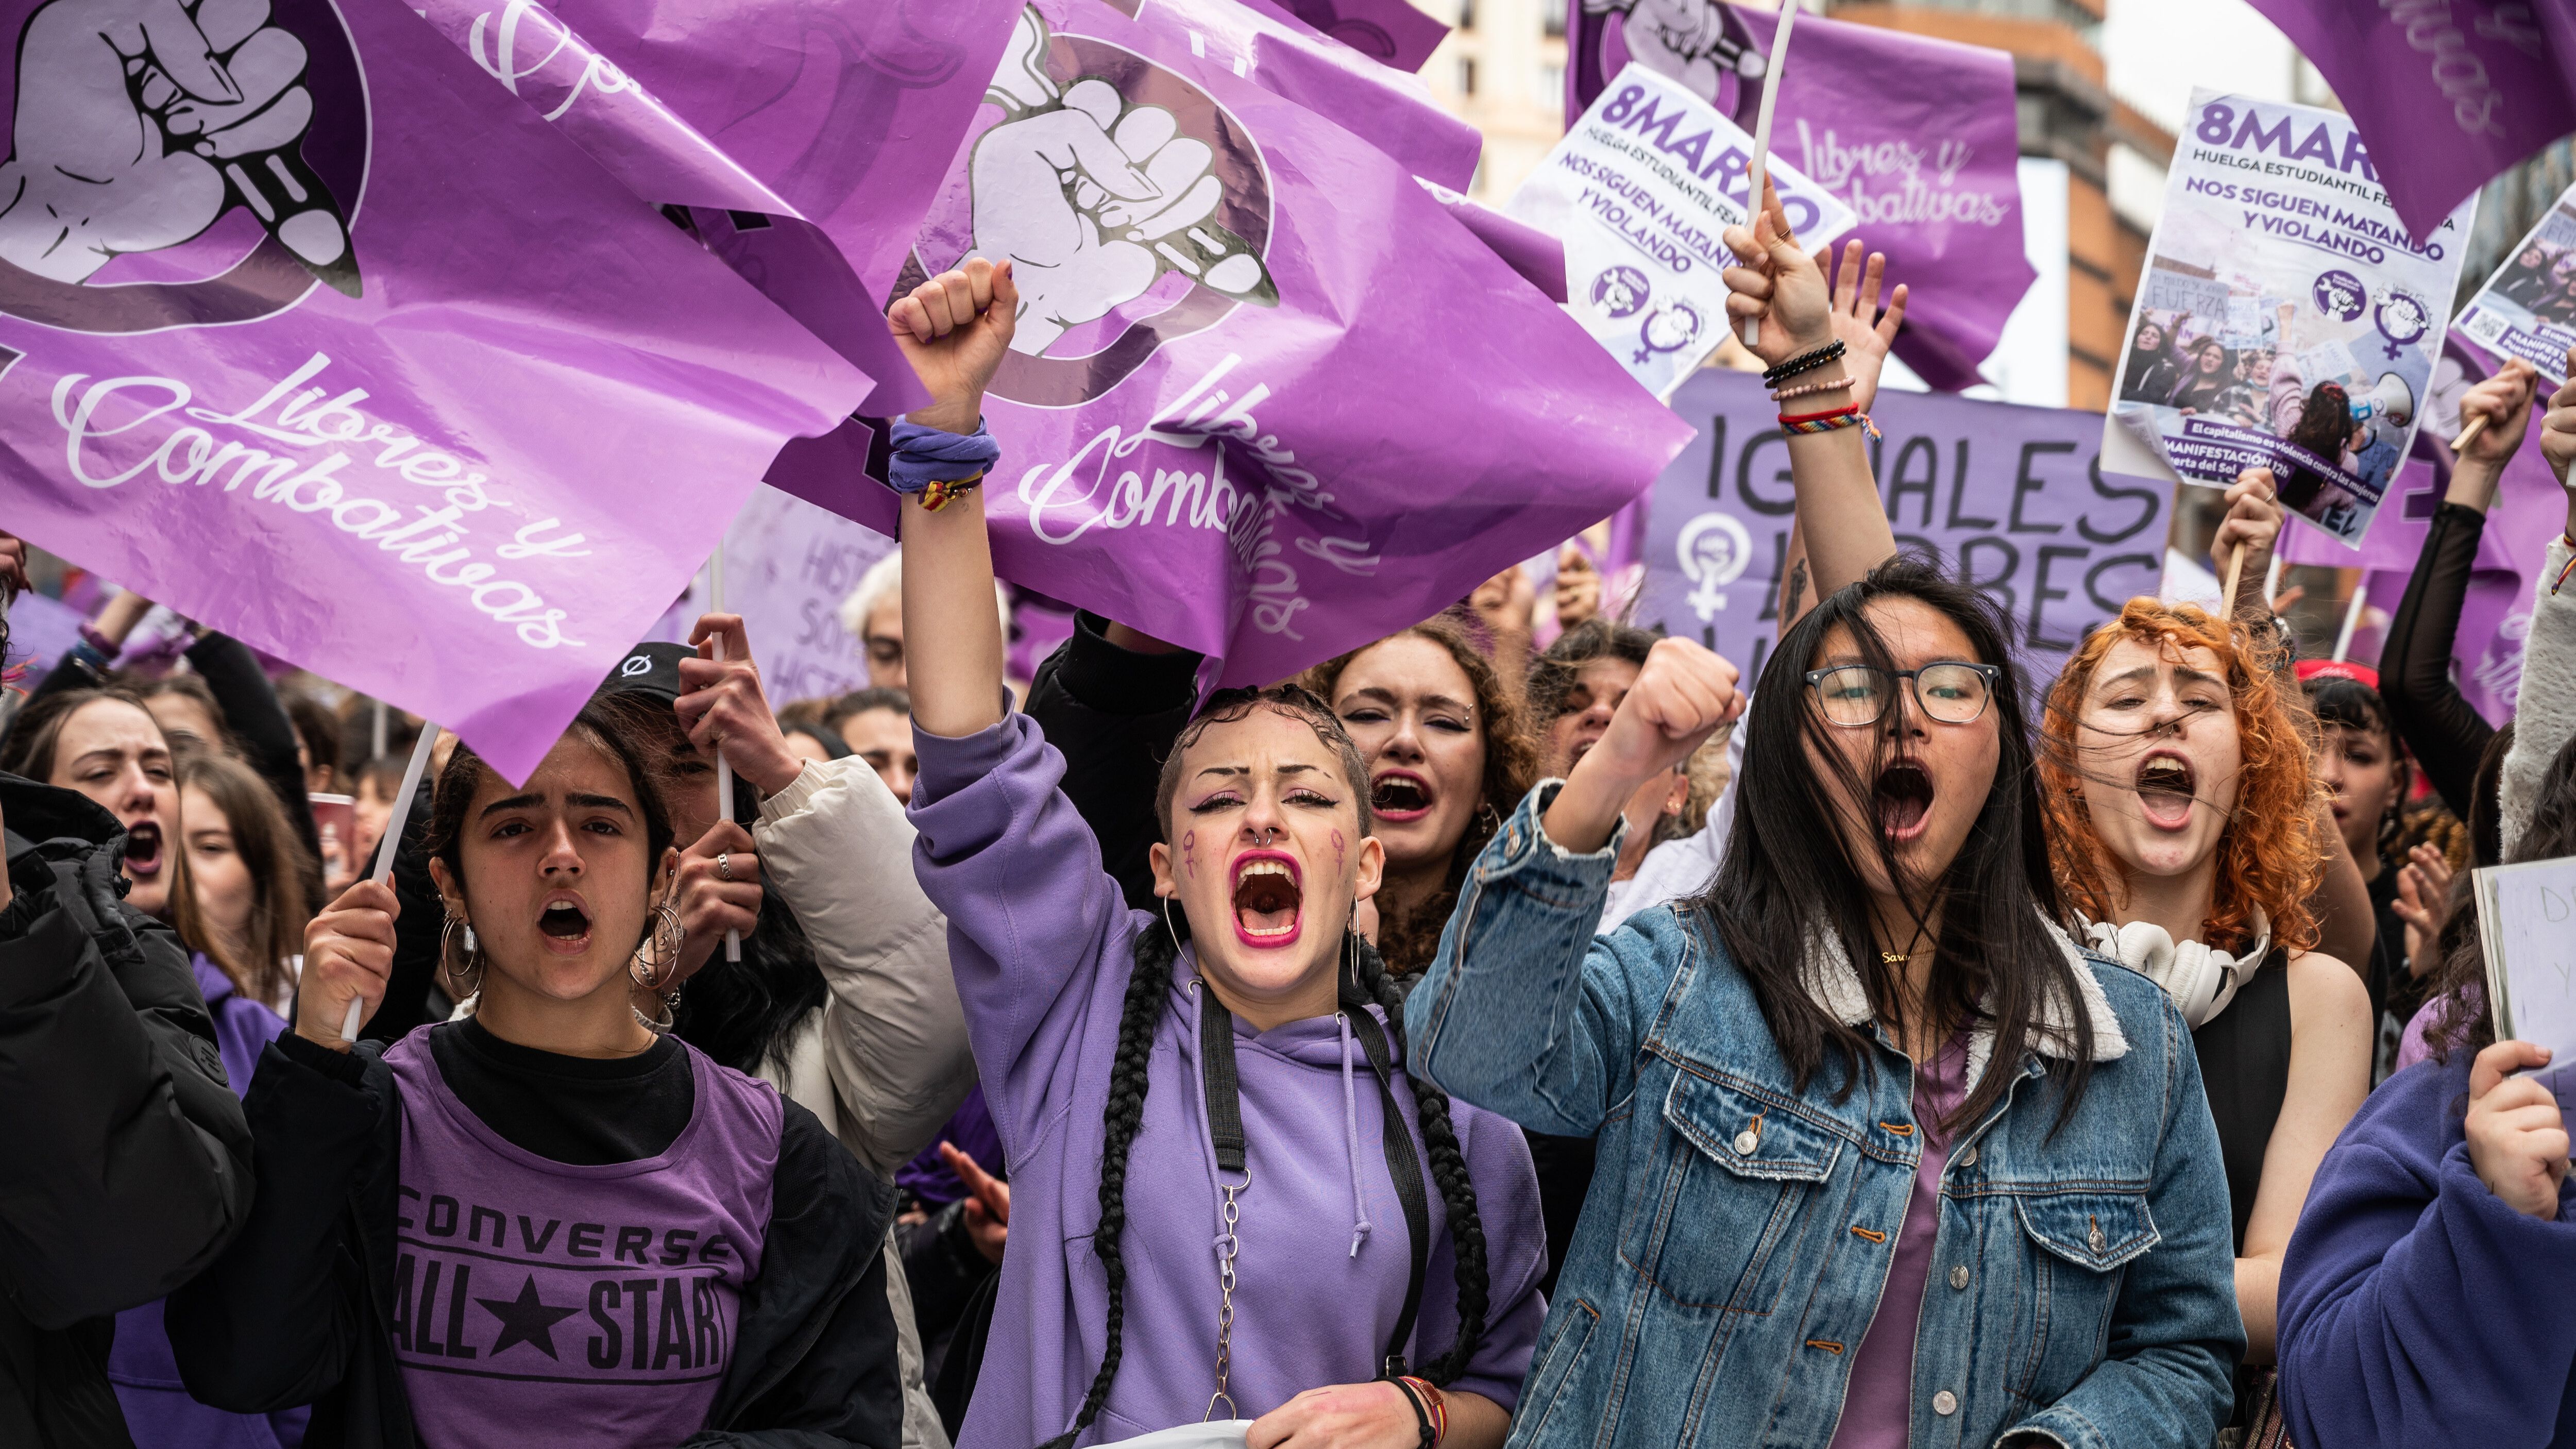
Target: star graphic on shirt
<point>525,1319</point>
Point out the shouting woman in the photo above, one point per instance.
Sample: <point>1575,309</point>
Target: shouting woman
<point>1232,1054</point>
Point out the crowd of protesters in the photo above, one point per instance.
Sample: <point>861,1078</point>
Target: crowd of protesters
<point>1515,1027</point>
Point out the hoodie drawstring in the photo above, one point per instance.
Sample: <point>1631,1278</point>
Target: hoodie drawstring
<point>1351,1138</point>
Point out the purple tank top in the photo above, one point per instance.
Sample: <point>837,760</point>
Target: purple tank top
<point>598,1302</point>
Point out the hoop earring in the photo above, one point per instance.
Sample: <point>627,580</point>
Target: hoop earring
<point>473,953</point>
<point>663,942</point>
<point>1167,926</point>
<point>1491,819</point>
<point>1351,944</point>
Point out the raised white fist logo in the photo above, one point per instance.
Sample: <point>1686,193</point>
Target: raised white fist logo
<point>140,122</point>
<point>1096,199</point>
<point>1683,39</point>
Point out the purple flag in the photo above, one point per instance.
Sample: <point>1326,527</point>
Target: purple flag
<point>310,340</point>
<point>2529,510</point>
<point>2013,498</point>
<point>1266,400</point>
<point>1390,32</point>
<point>809,137</point>
<point>1918,136</point>
<point>2446,93</point>
<point>1386,106</point>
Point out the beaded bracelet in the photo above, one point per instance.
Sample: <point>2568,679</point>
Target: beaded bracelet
<point>1810,389</point>
<point>1803,362</point>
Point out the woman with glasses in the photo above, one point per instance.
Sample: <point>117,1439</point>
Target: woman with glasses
<point>2187,842</point>
<point>1885,1158</point>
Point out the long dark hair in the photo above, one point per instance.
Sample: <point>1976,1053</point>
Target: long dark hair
<point>275,860</point>
<point>1787,878</point>
<point>2352,705</point>
<point>2464,1020</point>
<point>1156,951</point>
<point>454,795</point>
<point>737,1012</point>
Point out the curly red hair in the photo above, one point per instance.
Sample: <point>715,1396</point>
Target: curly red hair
<point>2272,855</point>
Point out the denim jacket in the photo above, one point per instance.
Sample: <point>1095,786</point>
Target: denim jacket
<point>2082,1286</point>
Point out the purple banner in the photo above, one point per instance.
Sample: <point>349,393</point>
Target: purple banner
<point>2446,93</point>
<point>1919,137</point>
<point>1390,32</point>
<point>1388,107</point>
<point>1199,433</point>
<point>809,137</point>
<point>2013,498</point>
<point>309,339</point>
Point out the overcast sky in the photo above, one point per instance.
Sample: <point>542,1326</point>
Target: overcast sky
<point>2158,50</point>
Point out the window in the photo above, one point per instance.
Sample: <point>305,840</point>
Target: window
<point>1466,14</point>
<point>1552,18</point>
<point>1550,85</point>
<point>1466,75</point>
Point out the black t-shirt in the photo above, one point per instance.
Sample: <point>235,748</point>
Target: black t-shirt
<point>581,1111</point>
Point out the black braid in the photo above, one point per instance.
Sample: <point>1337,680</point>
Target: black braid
<point>1448,1172</point>
<point>1146,985</point>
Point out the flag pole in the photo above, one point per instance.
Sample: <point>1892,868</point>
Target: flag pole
<point>724,767</point>
<point>1760,175</point>
<point>394,823</point>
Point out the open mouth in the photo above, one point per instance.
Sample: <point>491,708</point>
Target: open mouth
<point>1267,895</point>
<point>564,922</point>
<point>1399,796</point>
<point>2165,790</point>
<point>1904,800</point>
<point>143,848</point>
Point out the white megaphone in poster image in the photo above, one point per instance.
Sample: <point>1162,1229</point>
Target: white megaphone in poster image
<point>2388,409</point>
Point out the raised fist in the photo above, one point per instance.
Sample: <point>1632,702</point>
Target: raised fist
<point>1095,199</point>
<point>127,111</point>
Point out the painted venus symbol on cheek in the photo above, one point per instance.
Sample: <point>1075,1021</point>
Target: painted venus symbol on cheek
<point>1190,853</point>
<point>1337,849</point>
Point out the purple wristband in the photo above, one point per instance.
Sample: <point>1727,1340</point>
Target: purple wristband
<point>923,456</point>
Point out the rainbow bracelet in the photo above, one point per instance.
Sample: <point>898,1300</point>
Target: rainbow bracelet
<point>1826,422</point>
<point>2561,581</point>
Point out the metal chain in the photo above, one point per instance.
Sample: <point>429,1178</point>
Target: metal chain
<point>1226,1248</point>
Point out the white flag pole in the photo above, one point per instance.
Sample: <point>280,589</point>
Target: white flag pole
<point>2352,618</point>
<point>385,848</point>
<point>724,768</point>
<point>1761,171</point>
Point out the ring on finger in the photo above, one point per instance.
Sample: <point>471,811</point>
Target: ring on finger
<point>724,867</point>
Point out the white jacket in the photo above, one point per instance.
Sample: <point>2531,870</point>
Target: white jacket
<point>2544,710</point>
<point>883,1062</point>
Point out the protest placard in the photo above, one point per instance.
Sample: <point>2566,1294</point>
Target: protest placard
<point>382,376</point>
<point>2011,497</point>
<point>1919,137</point>
<point>1202,436</point>
<point>2528,308</point>
<point>2528,510</point>
<point>1641,190</point>
<point>2527,925</point>
<point>2278,201</point>
<point>788,566</point>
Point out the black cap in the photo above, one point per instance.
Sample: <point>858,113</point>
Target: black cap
<point>651,668</point>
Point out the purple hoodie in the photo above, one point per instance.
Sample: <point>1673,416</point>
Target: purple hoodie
<point>1042,944</point>
<point>158,1412</point>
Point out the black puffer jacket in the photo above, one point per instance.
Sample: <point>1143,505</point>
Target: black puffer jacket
<point>124,1158</point>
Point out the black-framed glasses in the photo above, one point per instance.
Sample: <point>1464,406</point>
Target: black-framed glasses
<point>1857,695</point>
